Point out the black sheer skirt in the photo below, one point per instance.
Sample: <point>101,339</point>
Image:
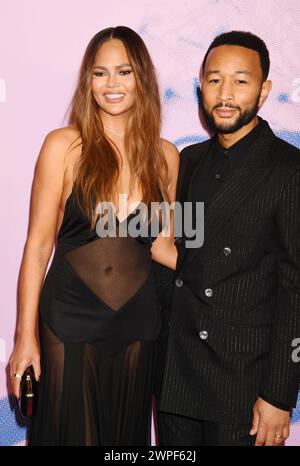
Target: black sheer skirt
<point>99,320</point>
<point>90,397</point>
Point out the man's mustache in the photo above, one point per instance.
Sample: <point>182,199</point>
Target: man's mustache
<point>226,106</point>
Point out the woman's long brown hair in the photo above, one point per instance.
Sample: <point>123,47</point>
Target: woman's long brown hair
<point>98,168</point>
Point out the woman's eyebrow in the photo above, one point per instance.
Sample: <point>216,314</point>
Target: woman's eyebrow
<point>117,67</point>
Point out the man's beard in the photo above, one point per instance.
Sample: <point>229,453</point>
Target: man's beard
<point>243,119</point>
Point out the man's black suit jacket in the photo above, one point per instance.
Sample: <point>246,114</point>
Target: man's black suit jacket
<point>228,333</point>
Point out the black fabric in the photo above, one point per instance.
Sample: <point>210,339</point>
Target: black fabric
<point>174,430</point>
<point>217,164</point>
<point>99,317</point>
<point>215,168</point>
<point>252,315</point>
<point>275,403</point>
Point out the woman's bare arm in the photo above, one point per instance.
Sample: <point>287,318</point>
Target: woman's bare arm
<point>163,248</point>
<point>46,197</point>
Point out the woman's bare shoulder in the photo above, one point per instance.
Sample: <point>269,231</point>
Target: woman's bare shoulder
<point>168,146</point>
<point>65,136</point>
<point>59,151</point>
<point>171,153</point>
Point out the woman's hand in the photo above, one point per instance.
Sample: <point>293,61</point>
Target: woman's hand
<point>25,353</point>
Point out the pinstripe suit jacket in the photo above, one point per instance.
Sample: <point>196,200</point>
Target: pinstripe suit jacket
<point>253,313</point>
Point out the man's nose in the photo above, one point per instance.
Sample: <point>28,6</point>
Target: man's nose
<point>226,92</point>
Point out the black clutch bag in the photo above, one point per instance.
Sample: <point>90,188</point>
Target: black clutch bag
<point>28,393</point>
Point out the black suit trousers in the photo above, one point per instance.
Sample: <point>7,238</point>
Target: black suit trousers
<point>175,430</point>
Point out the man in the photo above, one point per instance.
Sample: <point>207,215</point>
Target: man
<point>229,376</point>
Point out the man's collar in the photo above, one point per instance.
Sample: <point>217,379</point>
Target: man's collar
<point>241,146</point>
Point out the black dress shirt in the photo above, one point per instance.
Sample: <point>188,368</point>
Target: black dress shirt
<point>217,164</point>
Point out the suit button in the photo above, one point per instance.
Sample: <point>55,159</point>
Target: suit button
<point>208,292</point>
<point>169,323</point>
<point>178,282</point>
<point>227,251</point>
<point>203,335</point>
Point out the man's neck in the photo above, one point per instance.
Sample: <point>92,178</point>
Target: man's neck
<point>227,140</point>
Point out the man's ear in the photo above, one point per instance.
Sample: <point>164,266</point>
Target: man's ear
<point>264,92</point>
<point>200,83</point>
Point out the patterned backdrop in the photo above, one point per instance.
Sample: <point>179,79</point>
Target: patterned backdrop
<point>41,46</point>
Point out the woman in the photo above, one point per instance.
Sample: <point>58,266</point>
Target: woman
<point>98,308</point>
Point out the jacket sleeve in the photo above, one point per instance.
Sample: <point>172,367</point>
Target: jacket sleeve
<point>283,375</point>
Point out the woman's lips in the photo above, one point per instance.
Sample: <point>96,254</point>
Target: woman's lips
<point>225,112</point>
<point>114,97</point>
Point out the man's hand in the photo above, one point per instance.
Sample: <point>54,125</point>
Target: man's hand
<point>271,425</point>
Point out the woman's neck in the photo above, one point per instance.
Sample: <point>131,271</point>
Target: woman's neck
<point>114,125</point>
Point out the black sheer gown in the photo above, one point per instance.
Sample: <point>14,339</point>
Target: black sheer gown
<point>99,317</point>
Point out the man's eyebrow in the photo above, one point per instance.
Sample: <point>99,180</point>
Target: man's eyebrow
<point>117,67</point>
<point>243,72</point>
<point>236,72</point>
<point>212,72</point>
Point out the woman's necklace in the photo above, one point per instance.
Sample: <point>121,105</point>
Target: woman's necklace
<point>114,132</point>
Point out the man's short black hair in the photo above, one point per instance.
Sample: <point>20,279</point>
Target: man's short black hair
<point>243,39</point>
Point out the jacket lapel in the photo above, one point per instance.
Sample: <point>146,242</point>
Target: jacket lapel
<point>239,185</point>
